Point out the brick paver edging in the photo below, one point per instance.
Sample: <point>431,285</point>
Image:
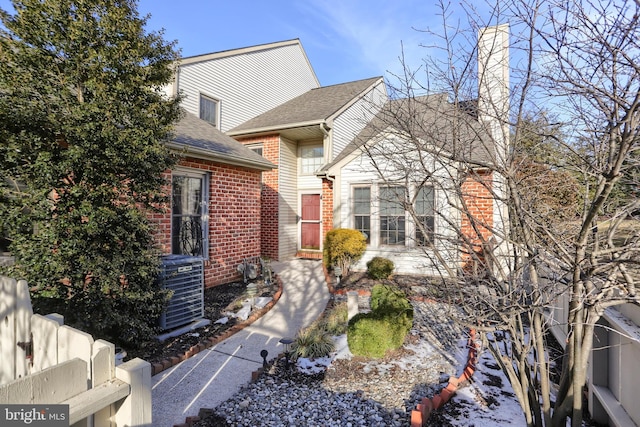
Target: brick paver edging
<point>165,364</point>
<point>420,415</point>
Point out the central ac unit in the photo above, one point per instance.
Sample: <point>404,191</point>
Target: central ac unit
<point>183,275</point>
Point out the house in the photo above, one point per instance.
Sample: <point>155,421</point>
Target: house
<point>316,172</point>
<point>300,136</point>
<point>215,192</point>
<point>215,200</point>
<point>268,98</point>
<point>402,181</point>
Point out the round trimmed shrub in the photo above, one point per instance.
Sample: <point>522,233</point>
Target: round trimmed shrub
<point>385,327</point>
<point>343,247</point>
<point>385,298</point>
<point>380,268</point>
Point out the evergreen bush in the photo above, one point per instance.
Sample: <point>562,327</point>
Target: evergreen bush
<point>385,327</point>
<point>380,268</point>
<point>343,247</point>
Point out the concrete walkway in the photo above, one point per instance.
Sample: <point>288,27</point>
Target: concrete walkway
<point>215,374</point>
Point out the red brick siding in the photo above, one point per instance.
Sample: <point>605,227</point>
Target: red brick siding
<point>270,199</point>
<point>327,206</point>
<point>234,219</point>
<point>477,224</point>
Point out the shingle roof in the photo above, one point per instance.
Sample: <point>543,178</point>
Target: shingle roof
<point>315,105</point>
<point>197,138</point>
<point>434,120</point>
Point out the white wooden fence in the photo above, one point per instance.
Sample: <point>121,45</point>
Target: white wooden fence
<point>43,361</point>
<point>614,377</point>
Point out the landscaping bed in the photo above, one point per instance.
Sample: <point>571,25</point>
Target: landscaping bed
<point>218,300</point>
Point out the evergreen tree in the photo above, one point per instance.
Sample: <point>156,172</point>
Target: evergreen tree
<point>82,124</point>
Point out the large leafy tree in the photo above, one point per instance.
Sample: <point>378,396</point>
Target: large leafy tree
<point>82,124</point>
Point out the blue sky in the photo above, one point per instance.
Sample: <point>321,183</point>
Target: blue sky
<point>345,40</point>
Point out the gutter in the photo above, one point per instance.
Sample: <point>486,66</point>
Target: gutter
<point>227,159</point>
<point>275,128</point>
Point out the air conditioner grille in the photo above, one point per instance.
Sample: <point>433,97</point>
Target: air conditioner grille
<point>184,276</point>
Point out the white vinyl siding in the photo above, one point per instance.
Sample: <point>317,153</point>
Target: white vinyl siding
<point>409,258</point>
<point>351,121</point>
<point>288,205</point>
<point>267,77</point>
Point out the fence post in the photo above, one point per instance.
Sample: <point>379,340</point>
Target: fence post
<point>103,369</point>
<point>135,410</point>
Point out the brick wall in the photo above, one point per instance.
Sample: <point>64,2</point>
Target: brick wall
<point>327,206</point>
<point>477,224</point>
<point>270,197</point>
<point>234,219</point>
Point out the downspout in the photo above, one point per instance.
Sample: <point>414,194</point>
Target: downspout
<point>326,131</point>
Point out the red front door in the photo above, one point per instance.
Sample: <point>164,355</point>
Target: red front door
<point>310,222</point>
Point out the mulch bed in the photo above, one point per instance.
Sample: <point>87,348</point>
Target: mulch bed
<point>217,300</point>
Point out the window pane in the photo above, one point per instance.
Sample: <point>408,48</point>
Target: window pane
<point>391,199</point>
<point>362,210</point>
<point>425,211</point>
<point>187,211</point>
<point>362,200</point>
<point>424,201</point>
<point>392,230</point>
<point>422,239</point>
<point>209,110</point>
<point>311,159</point>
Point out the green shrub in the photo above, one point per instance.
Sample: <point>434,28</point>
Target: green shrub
<point>372,335</point>
<point>385,298</point>
<point>343,247</point>
<point>385,327</point>
<point>312,342</point>
<point>380,268</point>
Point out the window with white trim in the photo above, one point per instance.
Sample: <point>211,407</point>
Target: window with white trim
<point>425,216</point>
<point>311,159</point>
<point>189,214</point>
<point>392,215</point>
<point>362,210</point>
<point>209,109</point>
<point>379,212</point>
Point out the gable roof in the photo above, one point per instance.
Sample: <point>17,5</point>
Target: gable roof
<point>433,119</point>
<point>245,50</point>
<point>313,107</point>
<point>196,138</point>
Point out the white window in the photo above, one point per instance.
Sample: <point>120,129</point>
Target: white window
<point>362,210</point>
<point>379,212</point>
<point>189,214</point>
<point>209,109</point>
<point>256,148</point>
<point>311,159</point>
<point>392,216</point>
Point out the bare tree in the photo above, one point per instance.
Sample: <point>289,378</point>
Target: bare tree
<point>546,140</point>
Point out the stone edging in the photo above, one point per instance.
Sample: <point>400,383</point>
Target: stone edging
<point>165,364</point>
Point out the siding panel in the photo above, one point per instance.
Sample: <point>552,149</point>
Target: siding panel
<point>288,206</point>
<point>267,78</point>
<point>349,124</point>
